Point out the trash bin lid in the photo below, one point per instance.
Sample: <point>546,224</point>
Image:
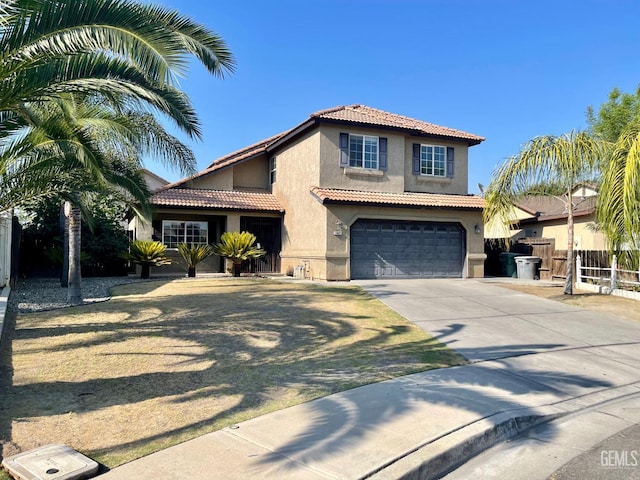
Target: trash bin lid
<point>528,258</point>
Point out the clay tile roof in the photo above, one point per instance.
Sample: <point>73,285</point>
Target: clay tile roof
<point>229,159</point>
<point>361,114</point>
<point>406,199</point>
<point>254,200</point>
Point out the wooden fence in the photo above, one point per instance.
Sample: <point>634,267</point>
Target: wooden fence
<point>553,265</point>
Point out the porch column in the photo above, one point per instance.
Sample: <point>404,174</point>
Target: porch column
<point>233,223</point>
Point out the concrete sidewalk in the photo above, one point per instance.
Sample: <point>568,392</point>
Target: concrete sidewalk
<point>532,360</point>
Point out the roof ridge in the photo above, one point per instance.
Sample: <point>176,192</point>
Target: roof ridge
<point>327,110</point>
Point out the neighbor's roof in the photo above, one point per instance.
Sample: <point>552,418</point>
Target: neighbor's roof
<point>406,199</point>
<point>254,200</point>
<point>544,207</point>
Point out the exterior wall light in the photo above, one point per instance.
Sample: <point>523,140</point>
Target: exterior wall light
<point>477,229</point>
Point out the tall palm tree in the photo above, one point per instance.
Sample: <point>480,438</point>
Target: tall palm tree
<point>124,50</point>
<point>130,53</point>
<point>95,147</point>
<point>543,165</point>
<point>106,46</point>
<point>618,210</point>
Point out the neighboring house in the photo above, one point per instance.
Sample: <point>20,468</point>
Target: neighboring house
<point>351,192</point>
<point>546,217</point>
<point>153,181</point>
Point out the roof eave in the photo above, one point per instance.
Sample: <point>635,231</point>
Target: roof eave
<point>411,131</point>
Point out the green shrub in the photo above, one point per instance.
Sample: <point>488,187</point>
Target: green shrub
<point>147,254</point>
<point>238,247</point>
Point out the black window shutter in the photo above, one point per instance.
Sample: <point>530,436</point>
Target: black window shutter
<point>416,159</point>
<point>450,162</point>
<point>382,142</point>
<point>344,149</point>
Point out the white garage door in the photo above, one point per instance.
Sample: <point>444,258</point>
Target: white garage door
<point>403,249</point>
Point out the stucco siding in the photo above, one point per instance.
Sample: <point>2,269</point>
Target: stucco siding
<point>218,180</point>
<point>584,237</point>
<point>334,176</point>
<point>253,173</point>
<point>303,228</point>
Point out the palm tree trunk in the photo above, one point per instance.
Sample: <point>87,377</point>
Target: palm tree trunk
<point>74,292</point>
<point>64,229</point>
<point>568,284</point>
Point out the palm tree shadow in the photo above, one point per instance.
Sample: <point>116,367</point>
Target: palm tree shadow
<point>376,419</point>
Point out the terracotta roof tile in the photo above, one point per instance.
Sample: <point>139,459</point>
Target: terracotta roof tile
<point>362,114</point>
<point>356,114</point>
<point>247,199</point>
<point>405,199</point>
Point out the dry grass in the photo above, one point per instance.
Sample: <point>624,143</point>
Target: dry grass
<point>609,304</point>
<point>163,362</point>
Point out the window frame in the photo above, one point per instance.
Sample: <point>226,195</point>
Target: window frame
<point>363,162</point>
<point>272,170</point>
<point>185,230</point>
<point>429,165</point>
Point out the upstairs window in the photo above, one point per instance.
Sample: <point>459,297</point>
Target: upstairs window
<point>363,151</point>
<point>272,170</point>
<point>176,232</point>
<point>433,160</point>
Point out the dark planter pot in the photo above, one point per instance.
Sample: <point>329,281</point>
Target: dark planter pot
<point>191,272</point>
<point>237,267</point>
<point>145,271</point>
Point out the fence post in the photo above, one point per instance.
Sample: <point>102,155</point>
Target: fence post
<point>578,269</point>
<point>614,272</point>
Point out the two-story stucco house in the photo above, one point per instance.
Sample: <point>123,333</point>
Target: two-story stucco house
<point>351,192</point>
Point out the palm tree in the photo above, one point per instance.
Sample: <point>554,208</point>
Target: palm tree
<point>127,52</point>
<point>618,210</point>
<point>544,164</point>
<point>106,46</point>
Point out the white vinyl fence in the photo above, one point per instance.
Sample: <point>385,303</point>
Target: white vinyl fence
<point>5,248</point>
<point>610,280</point>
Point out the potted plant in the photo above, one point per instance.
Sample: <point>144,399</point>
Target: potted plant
<point>238,247</point>
<point>193,254</point>
<point>147,254</point>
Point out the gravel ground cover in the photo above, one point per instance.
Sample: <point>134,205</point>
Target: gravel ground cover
<point>41,294</point>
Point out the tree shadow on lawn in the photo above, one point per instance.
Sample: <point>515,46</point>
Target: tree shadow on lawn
<point>373,422</point>
<point>260,348</point>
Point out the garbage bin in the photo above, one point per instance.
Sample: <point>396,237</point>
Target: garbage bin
<point>528,267</point>
<point>508,264</point>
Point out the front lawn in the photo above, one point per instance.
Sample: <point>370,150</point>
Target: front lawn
<point>163,362</point>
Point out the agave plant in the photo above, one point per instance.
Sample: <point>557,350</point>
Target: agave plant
<point>238,247</point>
<point>147,254</point>
<point>194,254</point>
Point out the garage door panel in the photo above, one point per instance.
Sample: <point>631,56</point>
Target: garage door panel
<point>406,249</point>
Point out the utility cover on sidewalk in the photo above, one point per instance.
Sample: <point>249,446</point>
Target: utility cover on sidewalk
<point>50,462</point>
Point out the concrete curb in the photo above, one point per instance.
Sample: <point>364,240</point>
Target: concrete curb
<point>444,454</point>
<point>4,303</point>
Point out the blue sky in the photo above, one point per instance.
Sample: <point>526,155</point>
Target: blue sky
<point>505,70</point>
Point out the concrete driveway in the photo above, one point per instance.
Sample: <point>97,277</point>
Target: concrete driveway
<point>483,321</point>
